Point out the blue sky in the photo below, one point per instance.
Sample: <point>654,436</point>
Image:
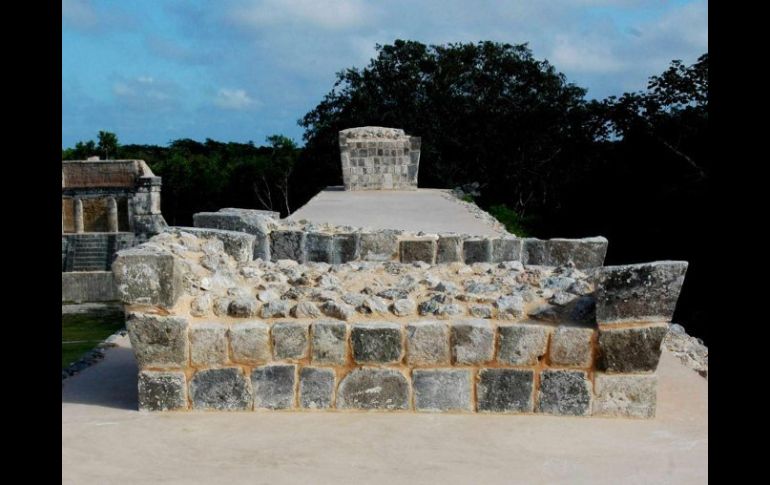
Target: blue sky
<point>239,70</point>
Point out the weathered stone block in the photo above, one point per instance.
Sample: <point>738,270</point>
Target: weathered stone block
<point>329,342</point>
<point>427,343</point>
<point>162,391</point>
<point>564,392</point>
<point>634,349</point>
<point>505,390</point>
<point>336,309</point>
<point>376,342</point>
<point>287,244</point>
<point>345,248</point>
<point>250,342</point>
<point>208,344</point>
<point>243,307</point>
<point>442,389</point>
<point>379,245</point>
<point>423,249</point>
<point>404,307</point>
<point>222,389</point>
<point>571,346</point>
<point>368,388</point>
<point>449,248</point>
<point>585,253</point>
<point>521,343</point>
<point>239,245</point>
<point>276,309</point>
<point>316,387</point>
<point>305,309</point>
<point>477,251</point>
<point>274,386</point>
<point>510,307</point>
<point>506,249</point>
<point>158,341</point>
<point>639,292</point>
<point>472,341</point>
<point>145,276</point>
<point>290,340</point>
<point>629,395</point>
<point>318,247</point>
<point>534,252</point>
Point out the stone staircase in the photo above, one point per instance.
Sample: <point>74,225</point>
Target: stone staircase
<point>92,252</point>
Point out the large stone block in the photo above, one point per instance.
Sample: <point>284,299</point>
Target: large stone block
<point>329,342</point>
<point>287,244</point>
<point>427,343</point>
<point>162,391</point>
<point>368,388</point>
<point>628,395</point>
<point>318,247</point>
<point>290,340</point>
<point>376,342</point>
<point>522,343</point>
<point>585,253</point>
<point>477,251</point>
<point>442,389</point>
<point>564,392</point>
<point>639,292</point>
<point>316,387</point>
<point>145,276</point>
<point>534,252</point>
<point>258,223</point>
<point>222,389</point>
<point>506,249</point>
<point>422,249</point>
<point>505,390</point>
<point>274,386</point>
<point>158,341</point>
<point>572,346</point>
<point>379,245</point>
<point>345,247</point>
<point>250,342</point>
<point>449,248</point>
<point>208,344</point>
<point>472,341</point>
<point>633,349</point>
<point>239,245</point>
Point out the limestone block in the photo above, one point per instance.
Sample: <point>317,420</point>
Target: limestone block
<point>376,342</point>
<point>639,292</point>
<point>379,245</point>
<point>250,342</point>
<point>472,341</point>
<point>290,340</point>
<point>427,343</point>
<point>442,389</point>
<point>208,344</point>
<point>368,388</point>
<point>276,308</point>
<point>506,249</point>
<point>571,346</point>
<point>584,253</point>
<point>319,247</point>
<point>162,391</point>
<point>480,311</point>
<point>305,309</point>
<point>345,247</point>
<point>287,244</point>
<point>522,343</point>
<point>564,392</point>
<point>510,307</point>
<point>329,342</point>
<point>243,307</point>
<point>505,390</point>
<point>254,222</point>
<point>626,395</point>
<point>403,307</point>
<point>274,386</point>
<point>423,249</point>
<point>477,251</point>
<point>449,248</point>
<point>316,387</point>
<point>633,349</point>
<point>158,341</point>
<point>224,389</point>
<point>147,276</point>
<point>239,245</point>
<point>534,252</point>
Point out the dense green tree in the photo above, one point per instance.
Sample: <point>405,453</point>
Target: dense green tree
<point>108,144</point>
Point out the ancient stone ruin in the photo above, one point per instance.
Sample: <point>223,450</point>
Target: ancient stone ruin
<point>376,158</point>
<point>247,312</point>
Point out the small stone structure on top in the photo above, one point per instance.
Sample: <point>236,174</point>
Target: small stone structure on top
<point>377,158</point>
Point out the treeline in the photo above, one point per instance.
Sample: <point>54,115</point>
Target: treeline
<point>634,168</point>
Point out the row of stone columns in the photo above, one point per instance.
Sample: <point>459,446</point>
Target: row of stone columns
<point>112,215</point>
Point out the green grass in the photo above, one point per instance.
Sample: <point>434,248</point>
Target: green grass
<point>513,222</point>
<point>82,332</point>
<point>468,198</point>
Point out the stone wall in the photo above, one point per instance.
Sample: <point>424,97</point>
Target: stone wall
<point>88,287</point>
<point>376,158</point>
<point>213,329</point>
<point>303,242</point>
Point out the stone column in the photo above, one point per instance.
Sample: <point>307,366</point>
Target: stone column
<point>112,215</point>
<point>78,205</point>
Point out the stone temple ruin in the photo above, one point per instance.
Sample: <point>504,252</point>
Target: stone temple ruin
<point>246,311</point>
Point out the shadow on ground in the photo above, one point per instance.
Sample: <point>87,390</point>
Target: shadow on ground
<point>109,383</point>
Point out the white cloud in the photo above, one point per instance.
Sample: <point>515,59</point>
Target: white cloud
<point>585,55</point>
<point>325,14</point>
<point>79,14</point>
<point>235,99</point>
<point>145,93</point>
